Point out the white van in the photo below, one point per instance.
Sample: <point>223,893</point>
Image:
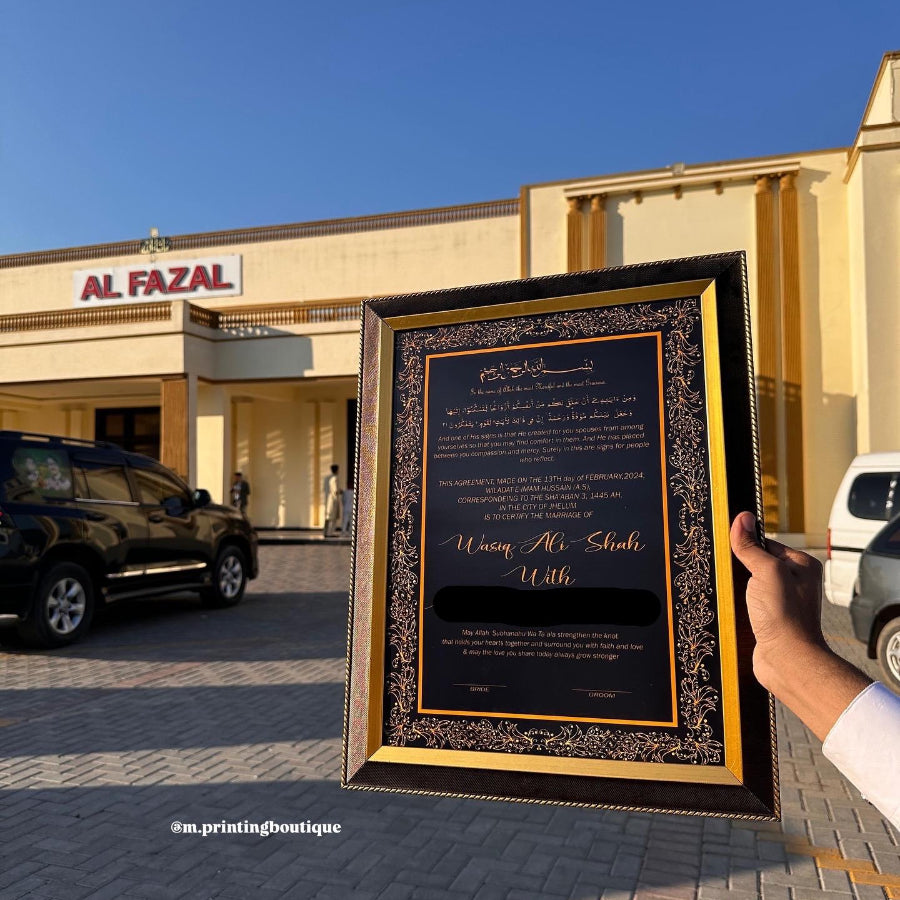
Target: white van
<point>866,499</point>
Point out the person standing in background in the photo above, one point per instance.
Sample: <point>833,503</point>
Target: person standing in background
<point>240,491</point>
<point>332,502</point>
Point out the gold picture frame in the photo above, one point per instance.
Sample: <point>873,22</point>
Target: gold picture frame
<point>691,730</point>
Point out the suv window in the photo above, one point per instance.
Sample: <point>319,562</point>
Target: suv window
<point>159,488</point>
<point>39,475</point>
<point>872,495</point>
<point>103,480</point>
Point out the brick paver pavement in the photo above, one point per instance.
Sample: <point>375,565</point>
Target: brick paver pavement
<point>169,712</point>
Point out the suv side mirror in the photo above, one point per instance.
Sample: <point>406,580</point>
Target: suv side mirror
<point>201,498</point>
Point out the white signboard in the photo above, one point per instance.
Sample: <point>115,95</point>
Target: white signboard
<point>212,276</point>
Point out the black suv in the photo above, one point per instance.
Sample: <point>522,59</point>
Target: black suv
<point>83,522</point>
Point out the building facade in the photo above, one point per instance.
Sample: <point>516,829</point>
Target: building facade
<point>239,349</point>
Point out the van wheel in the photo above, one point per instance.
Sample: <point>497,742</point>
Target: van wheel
<point>229,579</point>
<point>62,607</point>
<point>888,653</point>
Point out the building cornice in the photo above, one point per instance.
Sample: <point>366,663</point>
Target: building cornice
<point>298,230</point>
<point>867,148</point>
<point>309,312</point>
<point>871,138</point>
<point>880,136</point>
<point>637,173</point>
<point>681,176</point>
<point>887,58</point>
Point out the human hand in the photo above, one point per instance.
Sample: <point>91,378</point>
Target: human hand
<point>791,658</point>
<point>784,597</point>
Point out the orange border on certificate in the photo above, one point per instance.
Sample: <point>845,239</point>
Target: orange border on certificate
<point>665,512</point>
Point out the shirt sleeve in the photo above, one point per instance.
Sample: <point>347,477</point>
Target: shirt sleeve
<point>864,744</point>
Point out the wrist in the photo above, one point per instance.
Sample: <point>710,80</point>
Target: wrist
<point>810,679</point>
<point>790,665</point>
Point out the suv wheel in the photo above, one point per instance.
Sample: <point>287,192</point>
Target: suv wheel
<point>888,653</point>
<point>228,580</point>
<point>62,607</point>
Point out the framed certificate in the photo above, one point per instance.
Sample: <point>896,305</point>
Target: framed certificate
<point>544,603</point>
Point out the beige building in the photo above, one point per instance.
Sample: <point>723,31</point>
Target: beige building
<point>239,349</point>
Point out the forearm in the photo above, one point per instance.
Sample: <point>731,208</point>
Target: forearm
<point>815,683</point>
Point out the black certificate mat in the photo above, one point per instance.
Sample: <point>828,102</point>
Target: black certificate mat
<point>544,602</point>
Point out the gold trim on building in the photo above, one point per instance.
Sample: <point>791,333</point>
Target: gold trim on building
<point>524,232</point>
<point>174,408</point>
<point>121,314</point>
<point>791,351</point>
<point>306,312</point>
<point>574,235</point>
<point>597,232</point>
<point>767,339</point>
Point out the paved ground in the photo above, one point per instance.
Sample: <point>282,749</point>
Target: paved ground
<point>169,713</point>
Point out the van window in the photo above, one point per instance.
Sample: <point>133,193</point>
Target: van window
<point>872,495</point>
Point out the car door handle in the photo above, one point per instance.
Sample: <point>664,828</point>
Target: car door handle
<point>156,517</point>
<point>94,516</point>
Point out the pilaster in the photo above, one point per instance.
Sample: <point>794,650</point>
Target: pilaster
<point>575,235</point>
<point>791,352</point>
<point>767,349</point>
<point>178,406</point>
<point>597,232</point>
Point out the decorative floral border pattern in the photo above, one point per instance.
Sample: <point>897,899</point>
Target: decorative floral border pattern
<point>698,700</point>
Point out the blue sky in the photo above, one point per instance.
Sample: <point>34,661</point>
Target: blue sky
<point>193,116</point>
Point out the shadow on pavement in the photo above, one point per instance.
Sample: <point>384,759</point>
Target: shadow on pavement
<point>74,720</point>
<point>273,626</point>
<point>121,839</point>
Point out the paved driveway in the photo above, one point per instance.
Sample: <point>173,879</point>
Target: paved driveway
<point>169,713</point>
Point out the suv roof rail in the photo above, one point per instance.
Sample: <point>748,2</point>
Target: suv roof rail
<point>60,439</point>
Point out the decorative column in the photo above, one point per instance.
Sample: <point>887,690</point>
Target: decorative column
<point>76,423</point>
<point>241,453</point>
<point>312,417</point>
<point>767,353</point>
<point>324,454</point>
<point>791,351</point>
<point>214,441</point>
<point>597,232</point>
<point>575,231</point>
<point>178,398</point>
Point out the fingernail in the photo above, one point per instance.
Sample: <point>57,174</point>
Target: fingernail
<point>748,522</point>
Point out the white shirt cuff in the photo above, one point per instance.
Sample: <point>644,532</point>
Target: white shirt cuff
<point>864,744</point>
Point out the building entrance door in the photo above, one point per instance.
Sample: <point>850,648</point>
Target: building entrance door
<point>134,428</point>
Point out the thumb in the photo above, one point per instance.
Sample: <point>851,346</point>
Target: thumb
<point>744,542</point>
